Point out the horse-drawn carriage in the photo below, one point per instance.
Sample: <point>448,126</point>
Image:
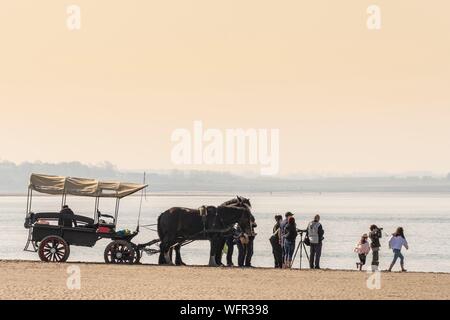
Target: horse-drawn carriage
<point>52,233</point>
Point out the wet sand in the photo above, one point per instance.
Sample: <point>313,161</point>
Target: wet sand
<point>38,280</point>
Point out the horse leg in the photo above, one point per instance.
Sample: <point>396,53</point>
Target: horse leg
<point>212,253</point>
<point>178,260</point>
<point>165,251</point>
<point>164,256</point>
<point>162,250</point>
<point>168,257</point>
<point>161,259</point>
<point>219,250</point>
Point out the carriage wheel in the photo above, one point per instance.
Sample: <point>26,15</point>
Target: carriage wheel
<point>120,251</point>
<point>53,249</point>
<point>138,255</point>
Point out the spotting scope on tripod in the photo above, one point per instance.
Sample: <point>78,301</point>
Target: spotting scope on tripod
<point>302,247</point>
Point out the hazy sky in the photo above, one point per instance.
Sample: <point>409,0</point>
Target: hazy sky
<point>345,98</point>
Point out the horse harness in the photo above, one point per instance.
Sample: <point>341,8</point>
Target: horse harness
<point>204,211</point>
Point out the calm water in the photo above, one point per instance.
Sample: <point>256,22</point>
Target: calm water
<point>345,216</point>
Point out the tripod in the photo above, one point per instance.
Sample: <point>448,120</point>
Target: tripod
<point>302,246</point>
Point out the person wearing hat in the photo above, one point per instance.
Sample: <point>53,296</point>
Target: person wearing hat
<point>362,249</point>
<point>275,242</point>
<point>283,225</point>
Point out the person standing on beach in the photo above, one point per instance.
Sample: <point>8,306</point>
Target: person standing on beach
<point>251,240</point>
<point>362,249</point>
<point>282,227</point>
<point>275,242</point>
<point>230,241</point>
<point>375,235</point>
<point>245,247</point>
<point>396,242</point>
<point>315,234</point>
<point>289,240</point>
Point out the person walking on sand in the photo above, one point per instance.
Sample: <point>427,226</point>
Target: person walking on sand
<point>396,242</point>
<point>375,235</point>
<point>275,242</point>
<point>289,241</point>
<point>314,233</point>
<point>362,249</point>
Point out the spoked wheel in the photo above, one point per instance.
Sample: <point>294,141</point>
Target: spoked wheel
<point>137,255</point>
<point>54,249</point>
<point>120,251</point>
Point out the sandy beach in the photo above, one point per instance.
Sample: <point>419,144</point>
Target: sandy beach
<point>37,280</point>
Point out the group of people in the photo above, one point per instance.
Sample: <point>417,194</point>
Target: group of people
<point>244,243</point>
<point>283,240</point>
<point>285,233</point>
<point>396,242</point>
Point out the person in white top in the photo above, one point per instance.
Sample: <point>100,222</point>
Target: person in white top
<point>362,249</point>
<point>396,242</point>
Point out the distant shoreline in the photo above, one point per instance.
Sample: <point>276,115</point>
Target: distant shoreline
<point>233,194</point>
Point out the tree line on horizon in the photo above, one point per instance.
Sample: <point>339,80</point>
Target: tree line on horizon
<point>14,179</point>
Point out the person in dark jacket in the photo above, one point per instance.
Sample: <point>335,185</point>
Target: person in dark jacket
<point>290,234</point>
<point>375,235</point>
<point>67,218</point>
<point>283,225</point>
<point>275,242</point>
<point>251,239</point>
<point>315,234</point>
<point>241,242</point>
<point>245,247</point>
<point>231,240</point>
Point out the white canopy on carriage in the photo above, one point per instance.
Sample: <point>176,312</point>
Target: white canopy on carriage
<point>59,185</point>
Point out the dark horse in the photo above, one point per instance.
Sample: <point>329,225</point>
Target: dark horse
<point>178,225</point>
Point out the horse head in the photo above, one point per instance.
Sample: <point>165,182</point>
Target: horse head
<point>240,202</point>
<point>247,220</point>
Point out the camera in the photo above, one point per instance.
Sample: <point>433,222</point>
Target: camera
<point>379,232</point>
<point>301,231</point>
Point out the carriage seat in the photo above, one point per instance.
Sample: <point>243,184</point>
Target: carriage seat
<point>76,221</point>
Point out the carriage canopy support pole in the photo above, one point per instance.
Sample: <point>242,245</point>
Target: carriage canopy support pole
<point>117,210</point>
<point>97,201</point>
<point>29,198</point>
<point>63,200</point>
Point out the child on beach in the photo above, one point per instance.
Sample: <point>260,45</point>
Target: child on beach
<point>362,249</point>
<point>396,243</point>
